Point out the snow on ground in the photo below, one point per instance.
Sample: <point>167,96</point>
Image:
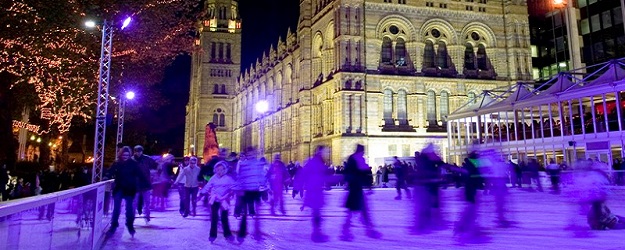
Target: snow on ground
<point>540,221</point>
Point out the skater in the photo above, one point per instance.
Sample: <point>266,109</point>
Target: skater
<point>533,171</point>
<point>601,218</point>
<point>466,228</point>
<point>496,179</point>
<point>400,172</point>
<point>190,175</point>
<point>146,164</point>
<point>427,206</point>
<point>127,174</point>
<point>297,188</point>
<point>356,177</point>
<point>250,179</point>
<point>553,170</point>
<point>180,185</point>
<point>278,177</point>
<point>314,173</point>
<point>162,182</point>
<point>220,189</point>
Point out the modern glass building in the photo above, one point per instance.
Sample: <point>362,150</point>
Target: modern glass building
<point>566,118</point>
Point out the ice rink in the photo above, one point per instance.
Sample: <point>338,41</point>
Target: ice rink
<point>540,222</point>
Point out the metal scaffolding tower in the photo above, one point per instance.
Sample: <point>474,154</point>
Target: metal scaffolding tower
<point>103,96</point>
<point>120,123</point>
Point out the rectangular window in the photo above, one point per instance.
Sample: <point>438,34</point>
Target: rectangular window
<point>618,15</point>
<point>585,26</point>
<point>560,43</point>
<point>545,71</point>
<point>606,19</point>
<point>535,73</point>
<point>610,48</point>
<point>598,52</point>
<point>595,23</point>
<point>557,19</point>
<point>469,7</point>
<point>392,150</point>
<point>405,150</point>
<point>581,3</point>
<point>534,51</point>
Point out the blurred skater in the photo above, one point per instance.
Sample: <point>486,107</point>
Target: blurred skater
<point>278,176</point>
<point>356,178</point>
<point>314,173</point>
<point>427,202</point>
<point>467,228</point>
<point>250,179</point>
<point>400,171</point>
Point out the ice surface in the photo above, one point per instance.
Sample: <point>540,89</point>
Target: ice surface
<point>541,219</point>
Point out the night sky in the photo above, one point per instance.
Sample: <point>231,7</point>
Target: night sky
<point>263,22</point>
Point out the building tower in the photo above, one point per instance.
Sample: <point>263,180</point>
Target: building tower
<point>216,64</point>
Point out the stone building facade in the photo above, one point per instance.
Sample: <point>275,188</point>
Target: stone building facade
<point>383,73</point>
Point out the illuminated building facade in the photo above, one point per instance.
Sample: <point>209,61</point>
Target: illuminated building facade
<point>382,73</point>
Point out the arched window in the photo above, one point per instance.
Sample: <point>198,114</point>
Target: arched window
<point>221,51</point>
<point>400,52</point>
<point>428,55</point>
<point>441,55</point>
<point>387,50</point>
<point>431,108</point>
<point>222,120</point>
<point>213,50</point>
<point>444,110</point>
<point>388,107</point>
<point>228,51</point>
<point>223,88</point>
<point>216,91</point>
<point>469,57</point>
<point>482,59</point>
<point>402,107</point>
<point>219,118</point>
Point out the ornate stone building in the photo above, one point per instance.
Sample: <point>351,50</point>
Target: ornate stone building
<point>383,73</point>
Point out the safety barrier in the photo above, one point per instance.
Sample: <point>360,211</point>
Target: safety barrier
<point>72,219</point>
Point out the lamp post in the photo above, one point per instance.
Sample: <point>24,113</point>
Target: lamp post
<point>120,118</point>
<point>103,94</point>
<point>262,107</point>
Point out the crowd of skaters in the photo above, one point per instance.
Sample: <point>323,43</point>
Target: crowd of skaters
<point>235,185</point>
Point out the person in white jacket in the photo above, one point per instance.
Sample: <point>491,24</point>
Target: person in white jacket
<point>190,174</point>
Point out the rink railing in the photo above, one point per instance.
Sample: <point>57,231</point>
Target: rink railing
<point>72,219</point>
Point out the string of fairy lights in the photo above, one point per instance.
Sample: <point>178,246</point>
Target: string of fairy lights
<point>60,59</point>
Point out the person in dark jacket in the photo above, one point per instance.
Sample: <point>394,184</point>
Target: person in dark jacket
<point>144,191</point>
<point>127,174</point>
<point>356,175</point>
<point>400,172</point>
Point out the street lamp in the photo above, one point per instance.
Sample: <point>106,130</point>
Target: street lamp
<point>107,29</point>
<point>121,110</point>
<point>262,107</point>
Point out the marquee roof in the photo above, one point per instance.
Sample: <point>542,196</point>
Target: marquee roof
<point>604,78</point>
